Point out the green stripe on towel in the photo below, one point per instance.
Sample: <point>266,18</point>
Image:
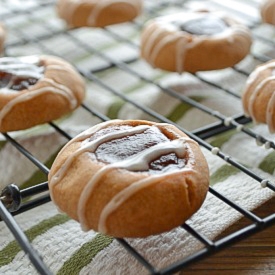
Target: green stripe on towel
<point>115,108</point>
<point>85,254</point>
<point>118,103</point>
<point>8,253</point>
<point>221,139</point>
<point>268,163</point>
<point>181,109</point>
<point>2,143</point>
<point>223,173</point>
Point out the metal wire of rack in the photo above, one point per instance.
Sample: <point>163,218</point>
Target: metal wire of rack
<point>11,197</point>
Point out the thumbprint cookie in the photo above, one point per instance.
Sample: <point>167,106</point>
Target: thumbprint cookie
<point>37,89</point>
<point>259,95</point>
<point>194,41</point>
<point>130,178</point>
<point>98,13</point>
<point>267,10</point>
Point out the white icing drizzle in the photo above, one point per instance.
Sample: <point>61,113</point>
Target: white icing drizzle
<point>182,46</point>
<point>250,96</point>
<point>91,146</point>
<point>102,4</point>
<point>158,47</point>
<point>150,40</point>
<point>26,97</point>
<point>27,67</point>
<point>125,194</point>
<point>64,91</point>
<point>255,94</point>
<point>138,162</point>
<point>18,68</point>
<point>121,197</point>
<point>98,6</point>
<point>89,132</point>
<point>270,113</point>
<point>163,30</point>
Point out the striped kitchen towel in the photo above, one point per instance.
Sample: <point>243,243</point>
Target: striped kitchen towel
<point>67,250</point>
<point>58,239</point>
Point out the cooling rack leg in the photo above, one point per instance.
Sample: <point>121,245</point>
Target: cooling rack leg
<point>23,241</point>
<point>11,198</point>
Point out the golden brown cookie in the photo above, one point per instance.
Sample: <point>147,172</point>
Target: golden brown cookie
<point>37,89</point>
<point>259,95</point>
<point>99,13</point>
<point>130,178</point>
<point>267,10</point>
<point>194,41</point>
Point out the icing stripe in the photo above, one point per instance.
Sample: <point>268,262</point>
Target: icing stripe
<point>161,44</point>
<point>270,113</point>
<point>28,96</point>
<point>97,7</point>
<point>89,132</point>
<point>63,90</point>
<point>91,147</point>
<point>138,162</point>
<point>255,94</point>
<point>160,32</point>
<point>30,69</point>
<point>251,95</point>
<point>125,194</point>
<point>24,67</point>
<point>101,5</point>
<point>149,42</point>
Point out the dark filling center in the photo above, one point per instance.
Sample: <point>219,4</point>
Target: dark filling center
<point>19,73</point>
<point>206,25</point>
<point>15,82</point>
<point>120,149</point>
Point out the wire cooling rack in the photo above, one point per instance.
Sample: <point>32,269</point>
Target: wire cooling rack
<point>40,30</point>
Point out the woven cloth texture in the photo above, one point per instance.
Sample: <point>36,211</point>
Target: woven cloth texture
<point>59,240</point>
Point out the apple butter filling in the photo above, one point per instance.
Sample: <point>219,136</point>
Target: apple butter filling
<point>130,146</point>
<point>18,74</point>
<point>205,25</point>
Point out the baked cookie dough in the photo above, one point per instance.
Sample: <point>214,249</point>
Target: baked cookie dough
<point>37,89</point>
<point>194,41</point>
<point>98,13</point>
<point>259,95</point>
<point>267,11</point>
<point>130,178</point>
